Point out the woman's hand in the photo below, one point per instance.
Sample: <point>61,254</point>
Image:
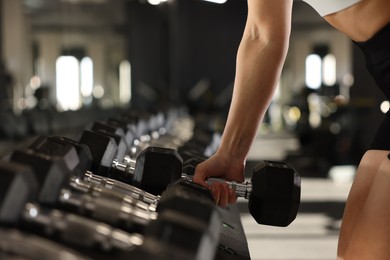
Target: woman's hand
<point>220,166</point>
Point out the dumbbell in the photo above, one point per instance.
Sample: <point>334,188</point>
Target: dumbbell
<point>132,126</point>
<point>190,207</point>
<point>128,145</point>
<point>52,167</point>
<point>122,188</point>
<point>15,244</point>
<point>202,142</point>
<point>273,192</point>
<point>76,159</point>
<point>80,172</point>
<point>53,147</point>
<point>16,210</point>
<point>17,207</point>
<point>107,149</point>
<point>103,149</point>
<point>121,139</point>
<point>170,128</point>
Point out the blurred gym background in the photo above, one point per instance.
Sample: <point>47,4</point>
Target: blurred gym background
<point>66,63</point>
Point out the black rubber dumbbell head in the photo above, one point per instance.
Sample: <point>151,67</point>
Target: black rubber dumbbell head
<point>53,164</point>
<point>187,233</point>
<point>275,195</point>
<point>83,153</point>
<point>192,200</point>
<point>103,149</point>
<point>128,128</point>
<point>114,132</point>
<point>59,151</point>
<point>156,168</point>
<point>17,187</point>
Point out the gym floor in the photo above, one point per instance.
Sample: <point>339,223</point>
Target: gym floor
<point>314,233</point>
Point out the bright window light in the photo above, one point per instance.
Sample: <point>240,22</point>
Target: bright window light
<point>313,71</point>
<point>216,1</point>
<point>86,76</point>
<point>329,70</point>
<point>124,82</point>
<point>67,83</point>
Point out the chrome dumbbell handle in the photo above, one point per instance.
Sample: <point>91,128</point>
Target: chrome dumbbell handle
<point>99,191</point>
<point>79,230</point>
<point>107,210</point>
<point>126,168</point>
<point>242,189</point>
<point>122,187</point>
<point>15,244</point>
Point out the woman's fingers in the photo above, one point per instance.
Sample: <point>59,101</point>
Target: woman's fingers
<point>222,194</point>
<point>232,196</point>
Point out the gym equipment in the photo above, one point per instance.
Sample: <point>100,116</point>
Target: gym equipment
<point>20,211</point>
<point>15,244</point>
<point>85,198</point>
<point>122,188</point>
<point>273,193</point>
<point>187,224</point>
<point>117,134</point>
<point>82,173</point>
<point>180,200</point>
<point>17,209</point>
<point>51,167</point>
<point>164,161</point>
<point>88,198</point>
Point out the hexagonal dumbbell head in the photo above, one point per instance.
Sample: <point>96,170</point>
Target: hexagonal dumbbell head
<point>17,187</point>
<point>83,153</point>
<point>156,167</point>
<point>52,163</point>
<point>103,149</point>
<point>276,192</point>
<point>192,200</point>
<point>189,234</point>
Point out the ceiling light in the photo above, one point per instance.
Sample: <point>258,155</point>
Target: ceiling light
<point>156,2</point>
<point>216,1</point>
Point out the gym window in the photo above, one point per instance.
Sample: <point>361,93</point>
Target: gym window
<point>320,68</point>
<point>125,82</point>
<point>74,82</point>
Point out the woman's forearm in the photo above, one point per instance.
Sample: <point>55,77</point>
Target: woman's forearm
<point>259,63</point>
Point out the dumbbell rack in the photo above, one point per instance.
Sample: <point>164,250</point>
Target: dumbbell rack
<point>232,240</point>
<point>174,132</point>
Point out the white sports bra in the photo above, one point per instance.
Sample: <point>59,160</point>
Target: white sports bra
<point>325,7</point>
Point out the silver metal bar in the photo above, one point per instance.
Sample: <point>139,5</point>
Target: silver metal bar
<point>81,231</point>
<point>242,190</point>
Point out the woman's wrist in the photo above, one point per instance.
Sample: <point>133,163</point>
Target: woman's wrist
<point>231,154</point>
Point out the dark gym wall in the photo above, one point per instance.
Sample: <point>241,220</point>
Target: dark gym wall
<point>211,35</point>
<point>148,46</point>
<point>179,43</point>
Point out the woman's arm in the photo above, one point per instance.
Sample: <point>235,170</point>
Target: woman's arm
<point>260,59</point>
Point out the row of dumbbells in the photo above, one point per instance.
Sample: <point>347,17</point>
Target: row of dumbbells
<point>56,196</point>
<point>83,195</point>
<point>273,193</point>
